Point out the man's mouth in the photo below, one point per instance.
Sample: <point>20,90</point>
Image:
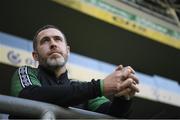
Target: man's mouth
<point>54,53</point>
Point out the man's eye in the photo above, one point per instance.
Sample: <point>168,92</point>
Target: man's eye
<point>44,40</point>
<point>57,38</point>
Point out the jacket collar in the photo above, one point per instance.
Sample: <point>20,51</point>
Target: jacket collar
<point>51,73</point>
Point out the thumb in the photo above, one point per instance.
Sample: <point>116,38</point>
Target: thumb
<point>119,67</point>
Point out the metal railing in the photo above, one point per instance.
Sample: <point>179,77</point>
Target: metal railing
<point>19,106</point>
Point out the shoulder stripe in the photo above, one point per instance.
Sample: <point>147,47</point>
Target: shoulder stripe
<point>24,77</point>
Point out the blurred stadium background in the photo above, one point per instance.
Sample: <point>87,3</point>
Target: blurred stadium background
<point>144,34</point>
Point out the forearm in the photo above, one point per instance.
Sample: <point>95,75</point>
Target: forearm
<point>64,95</point>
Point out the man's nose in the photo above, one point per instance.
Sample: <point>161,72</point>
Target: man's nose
<point>53,44</point>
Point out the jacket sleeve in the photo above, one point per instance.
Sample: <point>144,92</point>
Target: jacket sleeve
<point>63,95</point>
<point>118,107</point>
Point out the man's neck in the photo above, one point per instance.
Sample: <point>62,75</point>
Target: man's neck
<point>59,71</point>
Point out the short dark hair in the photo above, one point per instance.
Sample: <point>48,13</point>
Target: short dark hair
<point>41,29</point>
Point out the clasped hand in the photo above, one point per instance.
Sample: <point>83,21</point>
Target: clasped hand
<point>122,82</point>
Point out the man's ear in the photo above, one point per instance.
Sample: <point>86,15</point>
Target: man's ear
<point>35,55</point>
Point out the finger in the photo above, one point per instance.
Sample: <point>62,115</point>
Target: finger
<point>124,73</point>
<point>124,84</point>
<point>130,68</point>
<point>132,93</point>
<point>134,88</point>
<point>134,78</point>
<point>120,67</point>
<point>124,92</point>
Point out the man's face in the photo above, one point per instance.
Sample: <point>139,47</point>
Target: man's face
<point>52,50</point>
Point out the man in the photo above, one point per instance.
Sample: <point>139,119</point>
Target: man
<point>50,83</point>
